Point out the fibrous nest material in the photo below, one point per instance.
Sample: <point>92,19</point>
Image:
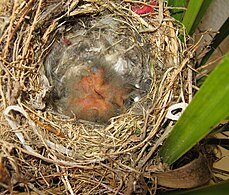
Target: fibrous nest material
<point>44,152</point>
<point>97,68</point>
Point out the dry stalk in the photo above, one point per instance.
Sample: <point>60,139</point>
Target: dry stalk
<point>80,157</point>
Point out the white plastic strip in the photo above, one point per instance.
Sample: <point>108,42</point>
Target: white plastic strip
<point>13,124</point>
<point>172,114</point>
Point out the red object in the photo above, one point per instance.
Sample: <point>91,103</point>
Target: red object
<point>144,9</point>
<point>66,41</point>
<point>93,98</point>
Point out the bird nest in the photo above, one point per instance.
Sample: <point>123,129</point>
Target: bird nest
<point>44,152</point>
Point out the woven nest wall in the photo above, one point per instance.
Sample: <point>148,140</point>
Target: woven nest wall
<point>43,152</point>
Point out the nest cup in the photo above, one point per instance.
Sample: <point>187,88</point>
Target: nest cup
<point>103,54</point>
<point>44,151</point>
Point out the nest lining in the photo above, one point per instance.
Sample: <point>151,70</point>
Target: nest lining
<point>55,153</point>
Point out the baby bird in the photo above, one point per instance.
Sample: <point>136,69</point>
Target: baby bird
<point>97,72</point>
<point>95,97</point>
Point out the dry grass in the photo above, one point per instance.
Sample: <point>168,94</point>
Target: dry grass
<point>44,153</point>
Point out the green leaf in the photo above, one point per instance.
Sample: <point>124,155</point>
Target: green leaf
<point>194,13</point>
<point>221,128</point>
<point>200,15</point>
<point>177,13</point>
<point>208,107</point>
<point>221,188</point>
<point>220,142</point>
<point>201,80</point>
<point>223,33</point>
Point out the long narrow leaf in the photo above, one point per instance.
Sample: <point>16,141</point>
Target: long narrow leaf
<point>191,13</point>
<point>221,188</point>
<point>194,14</point>
<point>200,15</point>
<point>219,142</point>
<point>223,33</point>
<point>208,107</point>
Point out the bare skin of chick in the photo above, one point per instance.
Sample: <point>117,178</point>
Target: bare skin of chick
<point>97,99</point>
